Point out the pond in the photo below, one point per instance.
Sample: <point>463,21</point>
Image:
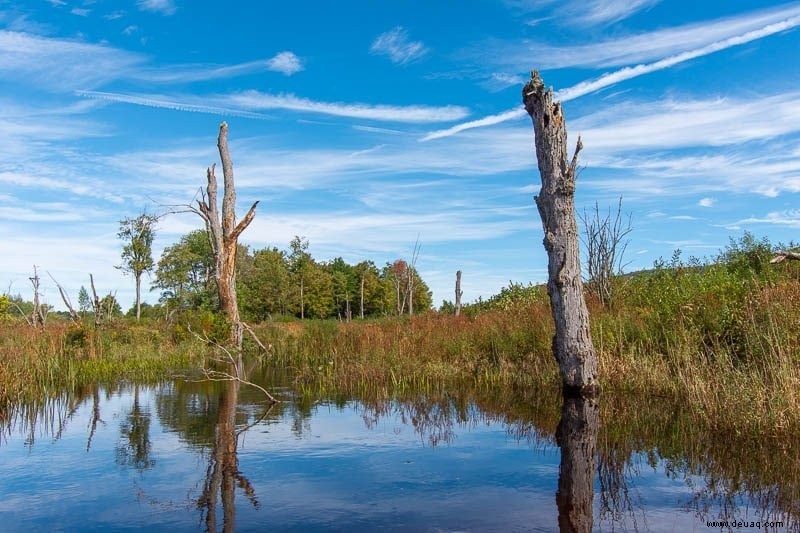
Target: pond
<point>188,456</point>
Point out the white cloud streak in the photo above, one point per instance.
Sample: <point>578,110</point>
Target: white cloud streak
<point>598,12</point>
<point>624,74</point>
<point>164,102</point>
<point>641,48</point>
<point>396,45</point>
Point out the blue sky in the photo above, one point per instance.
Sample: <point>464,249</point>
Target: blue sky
<point>364,125</point>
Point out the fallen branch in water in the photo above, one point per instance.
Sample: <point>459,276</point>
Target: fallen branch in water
<point>229,359</point>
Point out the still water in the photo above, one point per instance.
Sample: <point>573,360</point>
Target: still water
<point>183,456</point>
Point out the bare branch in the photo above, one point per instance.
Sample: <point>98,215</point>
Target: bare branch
<point>242,225</point>
<point>73,315</point>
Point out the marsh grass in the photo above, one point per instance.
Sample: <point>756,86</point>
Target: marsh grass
<point>44,363</point>
<point>721,341</point>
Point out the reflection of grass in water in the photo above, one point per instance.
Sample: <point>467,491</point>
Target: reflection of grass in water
<point>754,477</point>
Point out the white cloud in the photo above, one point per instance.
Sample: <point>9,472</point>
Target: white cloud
<point>396,45</point>
<point>285,62</point>
<point>497,81</point>
<point>165,102</point>
<point>165,7</point>
<point>246,104</point>
<point>596,12</point>
<point>627,73</point>
<point>114,15</point>
<point>81,12</point>
<point>789,218</point>
<point>61,63</point>
<point>641,48</point>
<point>688,123</point>
<point>491,120</point>
<point>414,114</point>
<point>707,202</point>
<point>130,30</point>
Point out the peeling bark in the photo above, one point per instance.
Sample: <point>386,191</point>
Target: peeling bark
<point>572,343</point>
<point>223,234</point>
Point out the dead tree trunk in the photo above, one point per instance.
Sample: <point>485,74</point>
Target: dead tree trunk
<point>459,293</point>
<point>98,311</point>
<point>37,316</point>
<point>223,234</point>
<point>572,344</point>
<point>362,297</point>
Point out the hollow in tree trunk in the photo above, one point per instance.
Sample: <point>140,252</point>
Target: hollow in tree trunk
<point>572,343</point>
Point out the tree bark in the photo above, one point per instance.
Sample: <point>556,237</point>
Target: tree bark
<point>577,437</point>
<point>362,297</point>
<point>138,296</point>
<point>459,293</point>
<point>224,233</point>
<point>572,343</point>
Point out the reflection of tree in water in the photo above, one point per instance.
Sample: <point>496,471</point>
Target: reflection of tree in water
<point>577,437</point>
<point>134,446</point>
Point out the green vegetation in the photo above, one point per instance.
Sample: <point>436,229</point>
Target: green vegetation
<point>720,337</point>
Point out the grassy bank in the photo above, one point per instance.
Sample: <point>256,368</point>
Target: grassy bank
<point>722,341</point>
<point>37,363</point>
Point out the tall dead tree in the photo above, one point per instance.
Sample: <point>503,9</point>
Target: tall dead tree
<point>38,316</point>
<point>223,234</point>
<point>572,343</point>
<point>459,293</point>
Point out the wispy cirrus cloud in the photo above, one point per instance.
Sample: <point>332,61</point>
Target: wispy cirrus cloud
<point>398,47</point>
<point>581,13</point>
<point>164,7</point>
<point>627,73</point>
<point>628,50</point>
<point>59,64</point>
<point>690,123</point>
<point>286,63</point>
<point>249,103</point>
<point>166,102</point>
<point>789,218</point>
<point>62,63</point>
<point>597,12</point>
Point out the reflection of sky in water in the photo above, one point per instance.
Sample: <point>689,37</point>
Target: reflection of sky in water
<point>336,473</point>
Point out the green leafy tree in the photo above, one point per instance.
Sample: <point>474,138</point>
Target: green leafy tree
<point>300,264</point>
<point>110,306</point>
<point>319,291</point>
<point>84,301</point>
<point>137,249</point>
<point>185,273</point>
<point>264,284</point>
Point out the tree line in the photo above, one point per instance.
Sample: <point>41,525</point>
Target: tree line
<point>275,283</point>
